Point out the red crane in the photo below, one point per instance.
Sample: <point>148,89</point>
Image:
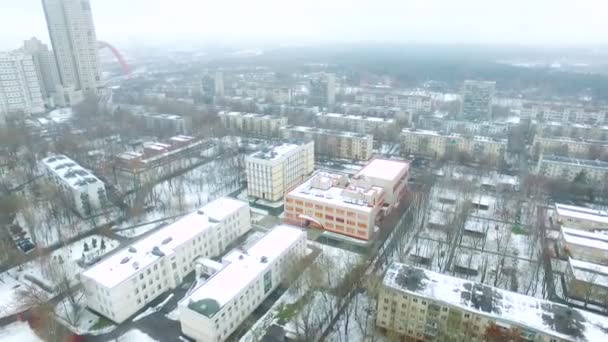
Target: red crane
<point>123,64</point>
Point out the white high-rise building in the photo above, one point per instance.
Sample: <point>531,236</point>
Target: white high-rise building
<point>72,33</point>
<point>46,68</point>
<point>19,84</point>
<point>275,170</point>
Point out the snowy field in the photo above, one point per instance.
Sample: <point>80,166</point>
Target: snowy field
<point>50,272</point>
<point>18,332</point>
<point>135,335</point>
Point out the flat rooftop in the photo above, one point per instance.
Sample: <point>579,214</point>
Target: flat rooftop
<point>252,115</point>
<point>599,216</point>
<point>240,270</point>
<point>589,272</point>
<point>534,313</point>
<point>123,264</point>
<point>69,171</point>
<point>585,238</point>
<point>275,152</point>
<point>597,164</point>
<point>389,170</point>
<point>316,130</point>
<point>162,116</point>
<point>355,117</point>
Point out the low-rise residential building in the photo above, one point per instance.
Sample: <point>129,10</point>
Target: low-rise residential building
<point>481,128</point>
<point>584,245</point>
<point>164,124</point>
<point>214,310</point>
<point>333,144</point>
<point>348,206</point>
<point>428,306</point>
<point>568,169</point>
<point>276,169</point>
<point>561,129</point>
<point>78,187</point>
<point>580,217</point>
<point>356,123</point>
<point>410,102</point>
<point>565,113</point>
<point>587,282</point>
<point>397,113</point>
<point>267,126</point>
<point>128,280</point>
<point>587,149</point>
<point>437,145</point>
<point>159,159</point>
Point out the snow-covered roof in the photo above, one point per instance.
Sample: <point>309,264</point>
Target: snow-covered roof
<point>127,262</point>
<point>582,213</point>
<point>315,130</point>
<point>275,152</point>
<point>69,171</point>
<point>533,313</point>
<point>253,116</point>
<point>589,272</point>
<point>356,117</point>
<point>388,170</point>
<point>585,238</point>
<point>242,268</point>
<point>162,116</point>
<point>587,163</point>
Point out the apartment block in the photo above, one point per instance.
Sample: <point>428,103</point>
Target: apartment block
<point>164,124</point>
<point>348,206</point>
<point>214,310</point>
<point>278,168</point>
<point>128,280</point>
<point>84,192</point>
<point>259,125</point>
<point>561,129</point>
<point>584,245</point>
<point>397,113</point>
<point>20,87</point>
<point>357,123</point>
<point>437,145</point>
<point>587,149</point>
<point>587,282</point>
<point>477,99</point>
<point>580,218</point>
<point>46,69</point>
<point>410,102</point>
<point>551,166</point>
<point>333,144</point>
<point>322,90</point>
<point>565,113</point>
<point>422,305</point>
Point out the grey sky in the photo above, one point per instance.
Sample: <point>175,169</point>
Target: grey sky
<point>546,22</point>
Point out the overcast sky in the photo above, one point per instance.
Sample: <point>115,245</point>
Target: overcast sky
<point>526,22</point>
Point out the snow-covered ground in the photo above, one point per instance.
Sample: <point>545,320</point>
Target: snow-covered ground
<point>135,335</point>
<point>78,318</point>
<point>18,332</point>
<point>64,264</point>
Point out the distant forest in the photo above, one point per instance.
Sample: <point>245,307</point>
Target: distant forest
<point>411,66</point>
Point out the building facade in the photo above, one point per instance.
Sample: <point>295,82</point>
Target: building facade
<point>356,123</point>
<point>584,245</point>
<point>72,33</point>
<point>587,282</point>
<point>477,100</point>
<point>348,206</point>
<point>46,68</point>
<point>125,282</point>
<point>213,311</point>
<point>20,88</point>
<point>568,169</point>
<point>259,125</point>
<point>409,102</point>
<point>422,305</point>
<point>438,145</point>
<point>276,169</point>
<point>333,144</point>
<point>164,124</point>
<point>84,192</point>
<point>323,90</point>
<point>564,113</point>
<point>580,148</point>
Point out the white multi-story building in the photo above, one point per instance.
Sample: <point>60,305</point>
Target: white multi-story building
<point>125,282</point>
<point>20,90</point>
<point>477,100</point>
<point>213,311</point>
<point>331,143</point>
<point>348,206</point>
<point>437,145</point>
<point>72,33</point>
<point>569,168</point>
<point>84,192</point>
<point>252,124</point>
<point>584,245</point>
<point>356,123</point>
<point>428,306</point>
<point>397,113</point>
<point>165,124</point>
<point>409,102</point>
<point>581,218</point>
<point>276,169</point>
<point>571,147</point>
<point>565,113</point>
<point>46,68</point>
